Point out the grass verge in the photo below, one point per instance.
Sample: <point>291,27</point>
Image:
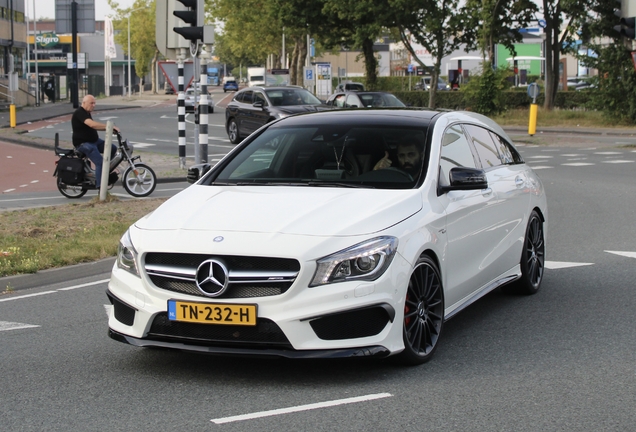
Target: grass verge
<point>559,117</point>
<point>49,237</point>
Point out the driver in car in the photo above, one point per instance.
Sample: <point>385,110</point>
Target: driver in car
<point>409,159</point>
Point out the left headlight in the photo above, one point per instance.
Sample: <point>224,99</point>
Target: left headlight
<point>365,261</point>
<point>127,255</point>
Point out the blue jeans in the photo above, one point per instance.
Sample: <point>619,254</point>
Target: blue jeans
<point>94,151</point>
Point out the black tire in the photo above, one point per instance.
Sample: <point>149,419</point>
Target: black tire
<point>141,184</point>
<point>423,313</point>
<point>532,259</point>
<point>71,192</point>
<point>233,132</point>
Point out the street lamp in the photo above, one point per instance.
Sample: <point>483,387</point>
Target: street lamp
<point>129,77</point>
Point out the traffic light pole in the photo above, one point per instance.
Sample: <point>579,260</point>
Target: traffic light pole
<point>181,110</point>
<point>203,105</point>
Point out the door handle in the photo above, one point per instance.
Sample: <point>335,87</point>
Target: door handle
<point>519,182</point>
<point>486,192</point>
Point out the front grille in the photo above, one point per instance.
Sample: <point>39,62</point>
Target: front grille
<point>266,333</point>
<point>352,324</point>
<point>248,276</point>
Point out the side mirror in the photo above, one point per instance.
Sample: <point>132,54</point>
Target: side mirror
<point>195,172</point>
<point>463,178</point>
<point>258,104</point>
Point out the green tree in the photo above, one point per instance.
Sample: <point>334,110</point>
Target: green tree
<point>615,92</point>
<point>359,23</point>
<point>439,26</point>
<point>142,36</point>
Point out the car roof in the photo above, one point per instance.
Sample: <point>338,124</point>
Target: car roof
<point>274,88</point>
<point>416,117</point>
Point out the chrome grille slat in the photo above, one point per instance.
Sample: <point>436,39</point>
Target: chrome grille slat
<point>247,276</point>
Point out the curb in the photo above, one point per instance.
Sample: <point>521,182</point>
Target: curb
<point>56,275</point>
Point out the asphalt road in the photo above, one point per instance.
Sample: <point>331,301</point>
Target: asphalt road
<point>151,129</point>
<point>563,359</point>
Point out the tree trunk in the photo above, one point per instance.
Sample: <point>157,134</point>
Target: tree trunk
<point>153,65</point>
<point>552,52</point>
<point>370,63</point>
<point>293,64</point>
<point>302,55</point>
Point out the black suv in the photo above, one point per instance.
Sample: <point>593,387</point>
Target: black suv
<point>253,107</point>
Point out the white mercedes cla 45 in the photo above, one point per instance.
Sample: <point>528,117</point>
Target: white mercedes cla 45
<point>334,234</point>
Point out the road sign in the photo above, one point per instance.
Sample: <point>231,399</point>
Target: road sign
<point>542,23</point>
<point>410,69</point>
<point>309,74</point>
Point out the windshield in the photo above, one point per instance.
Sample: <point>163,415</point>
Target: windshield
<point>291,96</point>
<point>333,156</point>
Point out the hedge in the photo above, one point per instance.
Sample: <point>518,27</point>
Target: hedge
<point>517,98</point>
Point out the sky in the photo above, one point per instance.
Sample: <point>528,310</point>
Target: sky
<point>46,8</point>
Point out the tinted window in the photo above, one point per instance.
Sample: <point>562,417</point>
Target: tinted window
<point>339,101</point>
<point>456,151</point>
<point>247,97</point>
<point>259,97</point>
<point>485,146</point>
<point>507,153</point>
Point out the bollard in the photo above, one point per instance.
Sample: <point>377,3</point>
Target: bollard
<point>532,124</point>
<point>533,92</point>
<point>12,120</point>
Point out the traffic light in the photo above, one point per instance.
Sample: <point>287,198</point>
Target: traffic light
<point>193,16</point>
<point>626,26</point>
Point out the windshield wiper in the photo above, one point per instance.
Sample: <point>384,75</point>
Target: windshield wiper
<point>338,184</point>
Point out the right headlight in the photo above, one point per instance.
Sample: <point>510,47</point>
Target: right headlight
<point>127,255</point>
<point>365,261</point>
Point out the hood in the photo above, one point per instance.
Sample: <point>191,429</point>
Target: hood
<point>312,211</point>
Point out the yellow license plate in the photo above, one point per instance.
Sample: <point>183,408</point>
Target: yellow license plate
<point>212,313</point>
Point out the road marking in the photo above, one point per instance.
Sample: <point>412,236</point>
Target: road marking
<point>555,265</point>
<point>608,153</point>
<point>577,164</point>
<point>107,118</point>
<point>84,285</point>
<point>56,291</point>
<point>143,145</point>
<point>6,325</point>
<point>301,408</point>
<point>27,295</point>
<point>617,161</point>
<point>107,308</point>
<point>625,254</point>
<point>541,167</point>
<point>539,157</point>
<point>572,154</point>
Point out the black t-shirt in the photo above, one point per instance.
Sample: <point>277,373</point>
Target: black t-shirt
<point>81,132</point>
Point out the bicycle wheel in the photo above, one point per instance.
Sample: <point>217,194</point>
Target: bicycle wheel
<point>71,192</point>
<point>141,183</point>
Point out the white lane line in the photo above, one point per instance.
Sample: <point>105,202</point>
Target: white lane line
<point>539,157</point>
<point>27,295</point>
<point>107,308</point>
<point>625,254</point>
<point>6,325</point>
<point>538,167</point>
<point>575,164</point>
<point>84,285</point>
<point>617,161</point>
<point>555,265</point>
<point>57,290</point>
<point>301,408</point>
<point>608,153</point>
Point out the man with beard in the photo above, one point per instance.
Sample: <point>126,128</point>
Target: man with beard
<point>409,159</point>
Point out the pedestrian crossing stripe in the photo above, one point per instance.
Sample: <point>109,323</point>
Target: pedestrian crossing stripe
<point>625,254</point>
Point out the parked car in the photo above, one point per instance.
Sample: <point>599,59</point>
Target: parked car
<point>298,243</point>
<point>190,102</point>
<point>424,83</point>
<point>230,85</point>
<point>253,107</point>
<point>363,99</point>
<point>349,86</point>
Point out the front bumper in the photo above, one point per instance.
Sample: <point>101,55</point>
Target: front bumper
<point>371,351</point>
